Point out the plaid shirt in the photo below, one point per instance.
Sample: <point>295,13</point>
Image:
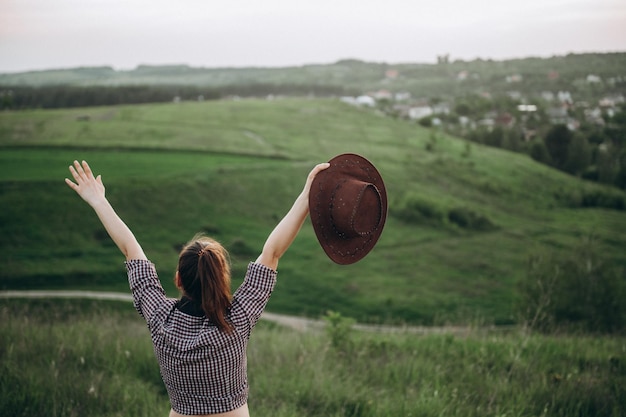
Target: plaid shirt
<point>203,368</point>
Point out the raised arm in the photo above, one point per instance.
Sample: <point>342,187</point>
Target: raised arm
<point>91,189</point>
<point>286,231</point>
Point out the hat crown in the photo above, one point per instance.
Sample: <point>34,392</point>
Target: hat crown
<point>356,208</point>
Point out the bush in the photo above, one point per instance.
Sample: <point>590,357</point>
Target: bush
<point>338,329</point>
<point>579,291</point>
<point>607,198</point>
<point>468,219</point>
<point>418,210</point>
<point>426,121</point>
<point>239,247</point>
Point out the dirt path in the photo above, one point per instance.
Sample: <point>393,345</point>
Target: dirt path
<point>293,322</point>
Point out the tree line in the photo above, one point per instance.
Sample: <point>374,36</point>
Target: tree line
<point>52,97</point>
<point>66,96</point>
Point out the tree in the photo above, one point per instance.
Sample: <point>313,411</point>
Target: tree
<point>620,181</point>
<point>578,155</point>
<point>557,142</point>
<point>607,163</point>
<point>539,152</point>
<point>494,137</point>
<point>512,140</point>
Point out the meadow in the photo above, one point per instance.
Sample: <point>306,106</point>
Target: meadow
<point>464,222</point>
<point>464,219</point>
<point>88,358</point>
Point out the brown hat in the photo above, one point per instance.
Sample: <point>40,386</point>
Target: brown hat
<point>348,207</point>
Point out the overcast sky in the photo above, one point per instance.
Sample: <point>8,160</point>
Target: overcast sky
<point>44,34</point>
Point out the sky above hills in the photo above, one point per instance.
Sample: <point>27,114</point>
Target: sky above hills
<point>46,34</point>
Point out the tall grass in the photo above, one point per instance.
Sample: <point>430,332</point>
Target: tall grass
<point>62,358</point>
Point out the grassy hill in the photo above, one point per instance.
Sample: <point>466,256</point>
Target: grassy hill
<point>463,218</point>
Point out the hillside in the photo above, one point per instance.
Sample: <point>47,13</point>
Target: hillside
<point>463,217</point>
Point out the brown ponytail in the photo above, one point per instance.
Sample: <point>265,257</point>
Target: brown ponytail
<point>204,271</point>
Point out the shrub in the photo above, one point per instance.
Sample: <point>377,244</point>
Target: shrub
<point>415,209</point>
<point>468,219</point>
<point>578,291</point>
<point>607,198</point>
<point>604,198</point>
<point>539,152</point>
<point>426,121</point>
<point>338,328</point>
<point>239,247</point>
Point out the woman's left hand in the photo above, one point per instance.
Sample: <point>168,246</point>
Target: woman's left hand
<point>88,187</point>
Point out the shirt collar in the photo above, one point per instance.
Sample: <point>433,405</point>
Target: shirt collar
<point>189,307</point>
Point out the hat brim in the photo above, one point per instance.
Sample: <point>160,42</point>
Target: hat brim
<point>341,249</point>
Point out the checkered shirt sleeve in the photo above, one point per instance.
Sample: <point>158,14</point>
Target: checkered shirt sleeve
<point>252,296</point>
<point>148,293</point>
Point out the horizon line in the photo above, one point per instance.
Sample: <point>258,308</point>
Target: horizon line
<point>278,66</point>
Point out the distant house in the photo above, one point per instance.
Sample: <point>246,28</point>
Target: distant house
<point>381,95</point>
<point>515,95</point>
<point>402,96</point>
<point>464,121</point>
<point>366,101</point>
<point>515,78</point>
<point>547,95</point>
<point>401,110</point>
<point>553,75</point>
<point>391,74</point>
<point>593,79</point>
<point>419,112</point>
<point>487,122</point>
<point>611,101</point>
<point>505,119</point>
<point>594,116</point>
<point>572,124</point>
<point>462,76</point>
<point>558,115</point>
<point>527,108</point>
<point>441,108</point>
<point>565,97</point>
<point>359,101</point>
<point>618,98</point>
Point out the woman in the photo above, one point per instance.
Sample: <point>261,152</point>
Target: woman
<point>200,340</point>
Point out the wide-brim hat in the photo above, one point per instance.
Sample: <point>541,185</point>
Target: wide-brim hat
<point>348,208</point>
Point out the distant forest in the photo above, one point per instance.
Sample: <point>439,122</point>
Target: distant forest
<point>62,96</point>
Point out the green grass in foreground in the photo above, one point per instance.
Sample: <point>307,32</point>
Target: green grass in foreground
<point>87,358</point>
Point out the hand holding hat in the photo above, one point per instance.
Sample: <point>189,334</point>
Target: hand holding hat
<point>348,208</point>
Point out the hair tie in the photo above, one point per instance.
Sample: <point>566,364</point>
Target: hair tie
<point>201,252</point>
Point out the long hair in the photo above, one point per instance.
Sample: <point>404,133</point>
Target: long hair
<point>204,269</point>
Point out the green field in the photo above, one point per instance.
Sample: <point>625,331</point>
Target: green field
<point>86,358</point>
<point>233,168</point>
